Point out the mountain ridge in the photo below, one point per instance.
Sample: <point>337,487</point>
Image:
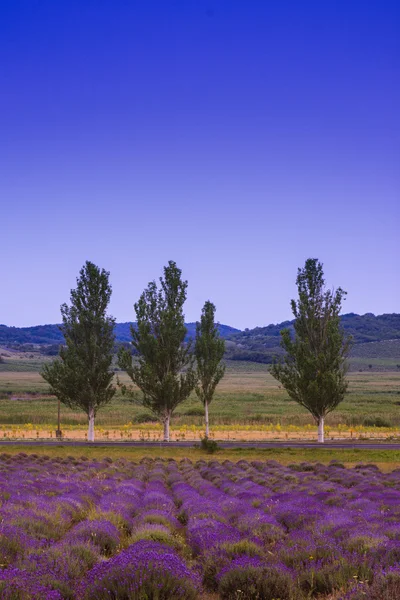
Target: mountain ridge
<point>51,334</point>
<point>260,344</point>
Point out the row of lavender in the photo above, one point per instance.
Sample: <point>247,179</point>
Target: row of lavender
<point>75,529</point>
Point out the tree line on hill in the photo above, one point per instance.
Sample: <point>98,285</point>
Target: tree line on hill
<point>261,344</point>
<point>168,366</point>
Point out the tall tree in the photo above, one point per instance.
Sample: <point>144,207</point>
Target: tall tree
<point>209,351</point>
<point>164,369</point>
<point>313,371</point>
<point>82,377</point>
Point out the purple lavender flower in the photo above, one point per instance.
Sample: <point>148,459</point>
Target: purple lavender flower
<point>144,570</point>
<point>102,534</point>
<point>21,585</point>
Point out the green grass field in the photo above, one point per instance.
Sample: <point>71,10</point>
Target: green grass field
<point>248,395</point>
<point>387,460</point>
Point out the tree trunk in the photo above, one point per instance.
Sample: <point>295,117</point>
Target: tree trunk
<point>90,436</point>
<point>321,432</point>
<point>206,414</point>
<point>166,427</point>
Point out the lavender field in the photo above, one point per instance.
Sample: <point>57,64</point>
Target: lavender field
<point>160,529</point>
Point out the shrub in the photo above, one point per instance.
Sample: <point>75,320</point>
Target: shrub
<point>244,547</point>
<point>16,584</point>
<point>145,418</point>
<point>157,533</point>
<point>145,570</point>
<point>384,588</point>
<point>183,517</point>
<point>255,581</point>
<point>13,543</point>
<point>157,519</point>
<point>64,560</point>
<point>332,577</point>
<point>362,544</point>
<point>208,445</point>
<point>60,566</point>
<point>196,411</point>
<point>102,534</point>
<point>301,467</point>
<point>37,525</point>
<point>203,534</point>
<point>376,422</point>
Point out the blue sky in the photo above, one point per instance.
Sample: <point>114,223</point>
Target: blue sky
<point>236,138</point>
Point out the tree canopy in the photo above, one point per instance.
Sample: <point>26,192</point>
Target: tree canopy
<point>82,376</point>
<point>209,352</point>
<point>313,370</point>
<point>164,369</point>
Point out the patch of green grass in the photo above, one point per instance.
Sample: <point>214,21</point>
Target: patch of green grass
<point>247,395</point>
<point>385,459</point>
<point>21,366</point>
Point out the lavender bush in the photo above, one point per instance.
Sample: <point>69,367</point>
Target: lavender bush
<point>144,570</point>
<point>102,534</point>
<point>75,529</point>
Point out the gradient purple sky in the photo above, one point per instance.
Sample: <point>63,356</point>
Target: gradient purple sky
<point>236,138</point>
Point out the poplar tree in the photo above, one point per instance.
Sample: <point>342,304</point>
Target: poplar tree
<point>313,370</point>
<point>163,370</point>
<point>209,351</point>
<point>82,377</point>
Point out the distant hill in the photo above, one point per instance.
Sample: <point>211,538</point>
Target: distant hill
<point>376,339</point>
<point>39,335</point>
<point>123,331</point>
<point>363,328</point>
<point>262,344</point>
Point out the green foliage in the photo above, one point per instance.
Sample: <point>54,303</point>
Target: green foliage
<point>260,344</point>
<point>209,351</point>
<point>383,588</point>
<point>196,411</point>
<point>164,371</point>
<point>183,517</point>
<point>254,583</point>
<point>10,548</point>
<point>376,422</point>
<point>158,535</point>
<point>208,445</point>
<point>314,367</point>
<point>144,584</point>
<point>243,548</point>
<point>82,376</point>
<point>80,557</point>
<point>145,418</point>
<point>157,520</point>
<point>331,577</point>
<point>258,356</point>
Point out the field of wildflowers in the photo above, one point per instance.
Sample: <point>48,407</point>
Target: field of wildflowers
<point>73,528</point>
